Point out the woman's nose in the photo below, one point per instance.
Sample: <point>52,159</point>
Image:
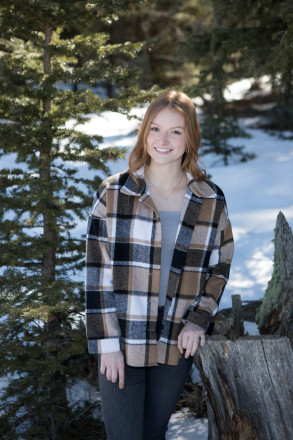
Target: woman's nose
<point>164,137</point>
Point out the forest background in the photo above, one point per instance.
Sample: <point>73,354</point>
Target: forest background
<point>60,62</point>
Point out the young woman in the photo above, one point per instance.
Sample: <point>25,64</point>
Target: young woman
<point>159,248</point>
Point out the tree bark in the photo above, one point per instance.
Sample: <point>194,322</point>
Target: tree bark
<point>249,385</point>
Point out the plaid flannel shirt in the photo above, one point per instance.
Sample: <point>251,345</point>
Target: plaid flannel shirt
<point>123,268</point>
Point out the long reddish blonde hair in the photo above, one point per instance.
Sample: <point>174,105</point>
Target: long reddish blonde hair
<point>182,103</point>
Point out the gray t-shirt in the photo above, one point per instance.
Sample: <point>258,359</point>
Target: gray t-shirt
<point>169,221</point>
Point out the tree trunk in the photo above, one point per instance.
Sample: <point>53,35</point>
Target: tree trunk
<point>249,385</point>
<point>53,326</point>
<point>275,316</point>
<point>49,220</point>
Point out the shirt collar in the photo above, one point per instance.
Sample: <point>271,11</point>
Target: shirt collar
<point>201,189</point>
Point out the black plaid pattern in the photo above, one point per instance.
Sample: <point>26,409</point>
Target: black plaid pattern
<point>123,268</point>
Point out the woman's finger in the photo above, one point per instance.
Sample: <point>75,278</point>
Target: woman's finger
<point>109,374</point>
<point>194,346</point>
<point>102,368</point>
<point>114,375</point>
<point>189,346</point>
<point>179,344</point>
<point>121,377</point>
<point>185,337</point>
<point>202,339</point>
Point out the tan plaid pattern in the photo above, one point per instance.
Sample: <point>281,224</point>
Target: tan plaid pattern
<point>123,268</point>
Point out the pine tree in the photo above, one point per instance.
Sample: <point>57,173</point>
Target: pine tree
<point>43,197</point>
<point>240,39</point>
<point>259,35</point>
<point>163,25</point>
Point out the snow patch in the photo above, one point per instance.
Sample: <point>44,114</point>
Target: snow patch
<point>183,426</point>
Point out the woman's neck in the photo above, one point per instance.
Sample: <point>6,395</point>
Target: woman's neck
<point>164,177</point>
<point>167,190</point>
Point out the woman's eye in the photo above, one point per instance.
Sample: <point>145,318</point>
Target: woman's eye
<point>154,129</point>
<point>176,132</point>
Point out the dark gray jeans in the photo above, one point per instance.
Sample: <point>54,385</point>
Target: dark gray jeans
<point>141,411</point>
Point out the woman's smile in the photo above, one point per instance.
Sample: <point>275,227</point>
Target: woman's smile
<point>163,150</point>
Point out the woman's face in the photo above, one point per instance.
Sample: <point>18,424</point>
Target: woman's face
<point>166,142</point>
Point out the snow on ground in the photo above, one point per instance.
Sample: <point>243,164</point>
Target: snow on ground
<point>239,89</point>
<point>183,426</point>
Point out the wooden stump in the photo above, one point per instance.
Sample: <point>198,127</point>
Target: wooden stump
<point>249,385</point>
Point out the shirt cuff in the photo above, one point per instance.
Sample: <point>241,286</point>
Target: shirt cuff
<point>199,317</point>
<point>99,346</point>
<point>190,322</point>
<point>110,345</point>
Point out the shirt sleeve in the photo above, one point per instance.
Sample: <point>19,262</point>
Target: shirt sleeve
<point>102,327</point>
<point>206,304</point>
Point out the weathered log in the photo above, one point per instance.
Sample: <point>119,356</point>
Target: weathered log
<point>232,327</point>
<point>249,309</point>
<point>249,385</point>
<point>275,316</point>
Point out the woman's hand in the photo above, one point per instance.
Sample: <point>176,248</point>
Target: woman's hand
<point>190,336</point>
<point>112,364</point>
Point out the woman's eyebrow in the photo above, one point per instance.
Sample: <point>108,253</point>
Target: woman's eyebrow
<point>176,126</point>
